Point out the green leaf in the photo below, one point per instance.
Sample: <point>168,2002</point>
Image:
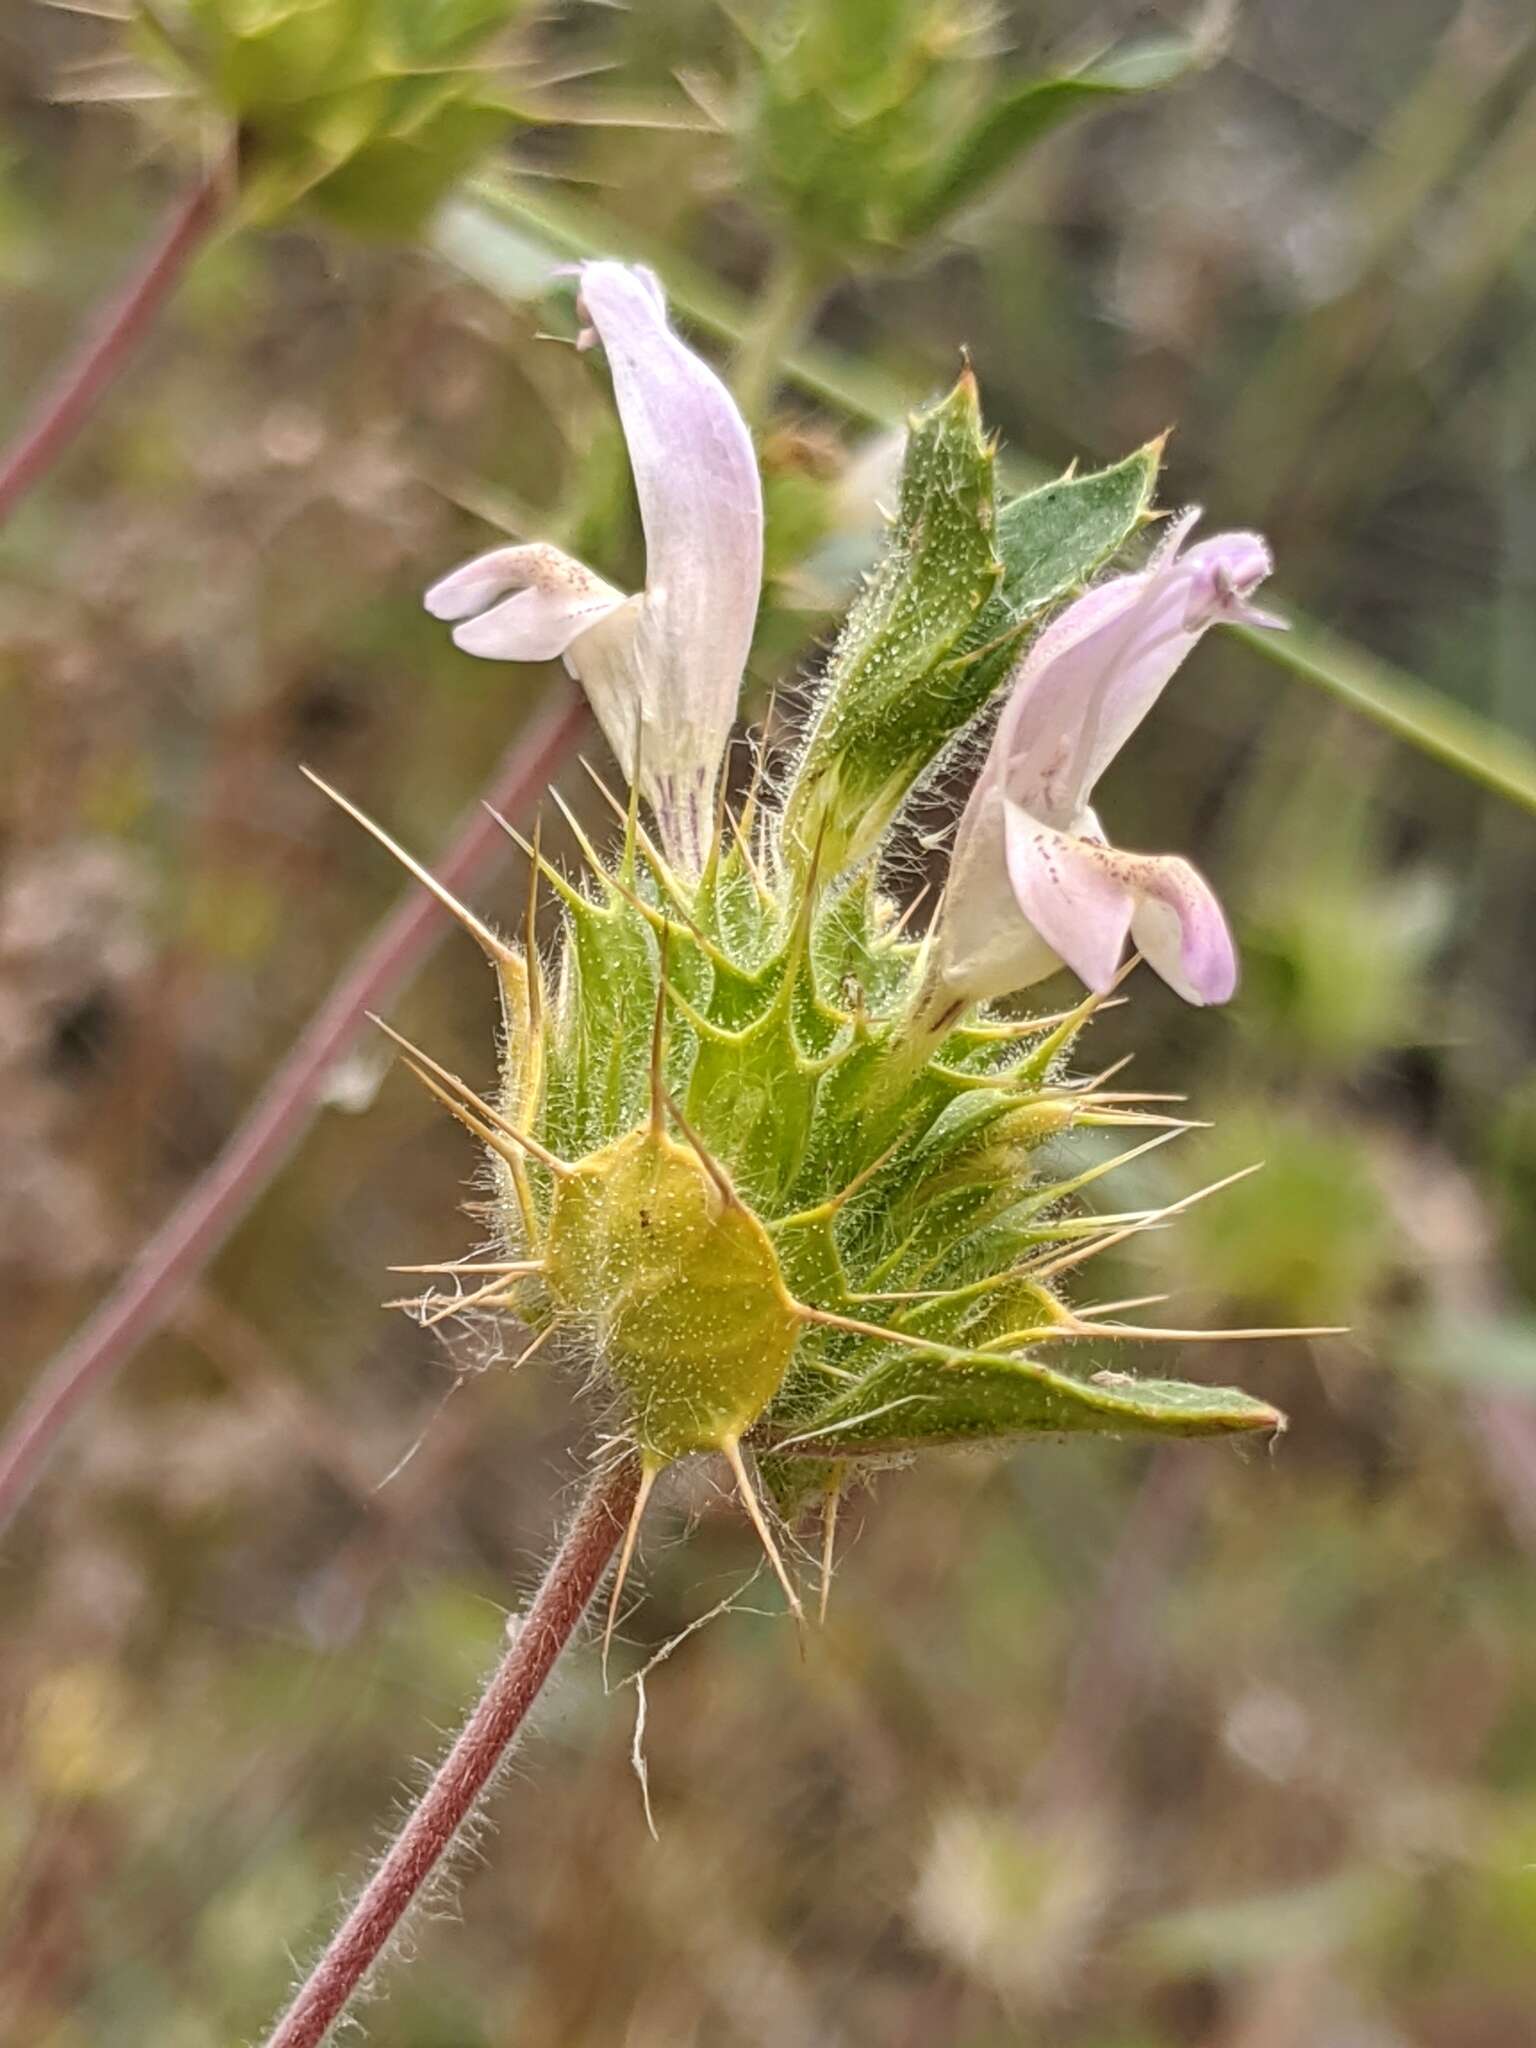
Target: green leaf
<point>852,102</point>
<point>1054,538</point>
<point>1016,120</point>
<point>366,111</point>
<point>392,184</point>
<point>1051,541</point>
<point>1260,1930</point>
<point>918,660</point>
<point>1501,760</point>
<point>915,1400</point>
<point>595,1077</point>
<point>883,717</point>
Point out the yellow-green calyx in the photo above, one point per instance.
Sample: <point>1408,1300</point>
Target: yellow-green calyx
<point>680,1286</point>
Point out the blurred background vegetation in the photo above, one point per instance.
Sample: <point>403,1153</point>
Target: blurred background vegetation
<point>1101,1748</point>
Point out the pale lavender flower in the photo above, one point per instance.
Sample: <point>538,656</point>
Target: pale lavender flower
<point>662,668</point>
<point>1033,884</point>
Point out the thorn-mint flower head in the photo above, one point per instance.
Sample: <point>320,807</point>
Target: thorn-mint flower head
<point>1033,884</point>
<point>662,669</point>
<point>758,1163</point>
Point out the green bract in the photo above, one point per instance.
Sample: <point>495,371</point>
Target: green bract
<point>961,586</point>
<point>807,1236</point>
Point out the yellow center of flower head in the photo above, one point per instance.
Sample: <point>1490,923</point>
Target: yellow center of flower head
<point>682,1286</point>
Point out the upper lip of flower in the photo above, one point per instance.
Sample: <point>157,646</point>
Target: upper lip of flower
<point>663,669</point>
<point>1033,880</point>
<point>1098,669</point>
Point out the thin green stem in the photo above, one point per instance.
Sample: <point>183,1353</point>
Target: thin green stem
<point>778,318</point>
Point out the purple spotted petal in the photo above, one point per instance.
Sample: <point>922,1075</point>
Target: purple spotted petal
<point>1071,896</point>
<point>1084,898</point>
<point>1180,931</point>
<point>982,947</point>
<point>557,599</point>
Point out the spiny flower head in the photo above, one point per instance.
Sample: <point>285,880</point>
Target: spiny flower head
<point>758,1153</point>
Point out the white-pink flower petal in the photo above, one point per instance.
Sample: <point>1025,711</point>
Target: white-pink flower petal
<point>663,669</point>
<point>557,599</point>
<point>1080,905</point>
<point>1180,931</point>
<point>1032,882</point>
<point>701,507</point>
<point>1098,669</point>
<point>1084,898</point>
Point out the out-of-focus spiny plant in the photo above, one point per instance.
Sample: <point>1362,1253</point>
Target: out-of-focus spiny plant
<point>760,1160</point>
<point>362,112</point>
<point>871,122</point>
<point>864,127</point>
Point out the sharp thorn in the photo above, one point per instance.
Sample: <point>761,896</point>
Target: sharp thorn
<point>658,1038</point>
<point>907,915</point>
<point>493,1128</point>
<point>537,1343</point>
<point>504,1266</point>
<point>648,1474</point>
<point>494,948</point>
<point>530,934</point>
<point>494,1294</point>
<point>1143,1334</point>
<point>828,1539</point>
<point>732,1452</point>
<point>710,1164</point>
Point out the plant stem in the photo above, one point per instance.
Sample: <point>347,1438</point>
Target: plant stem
<point>105,348</point>
<point>573,1577</point>
<point>789,294</point>
<point>204,1218</point>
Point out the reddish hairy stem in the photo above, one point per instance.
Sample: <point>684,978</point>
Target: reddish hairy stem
<point>112,337</point>
<point>198,1226</point>
<point>572,1579</point>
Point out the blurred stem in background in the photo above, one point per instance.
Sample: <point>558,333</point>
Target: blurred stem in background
<point>1331,1686</point>
<point>507,237</point>
<point>891,113</point>
<point>869,160</point>
<point>202,1221</point>
<point>106,348</point>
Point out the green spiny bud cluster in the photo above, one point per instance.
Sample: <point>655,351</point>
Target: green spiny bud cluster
<point>742,1169</point>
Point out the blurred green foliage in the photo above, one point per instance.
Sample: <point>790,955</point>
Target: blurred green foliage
<point>364,112</point>
<point>873,121</point>
<point>1104,1749</point>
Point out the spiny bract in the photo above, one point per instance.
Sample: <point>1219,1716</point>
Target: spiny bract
<point>785,1194</point>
